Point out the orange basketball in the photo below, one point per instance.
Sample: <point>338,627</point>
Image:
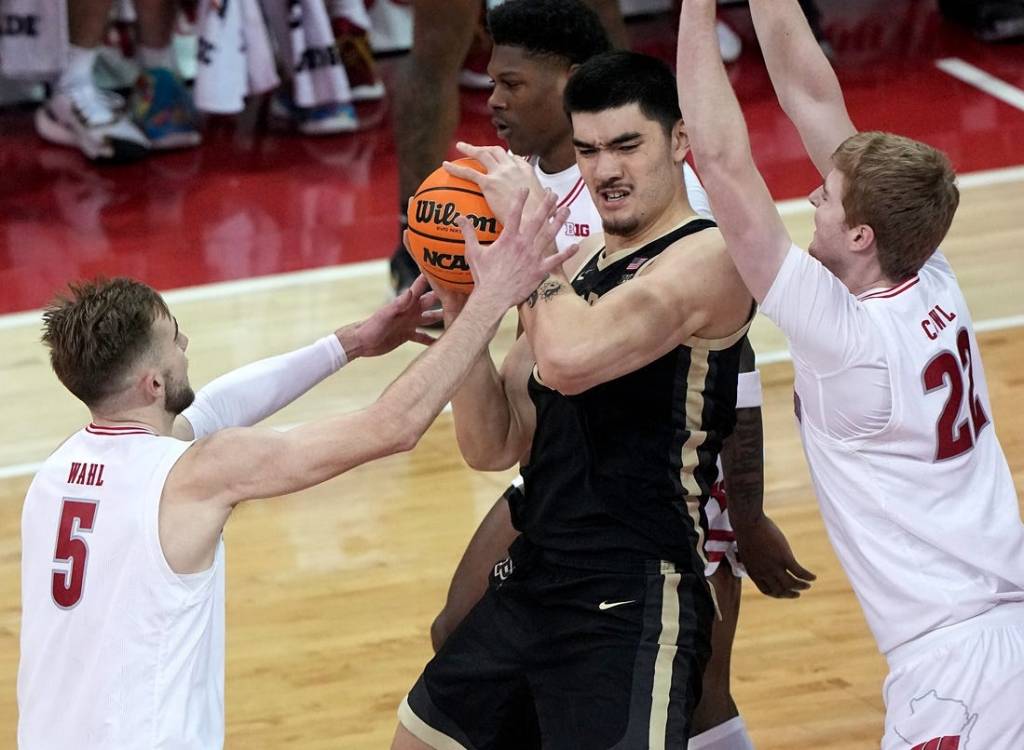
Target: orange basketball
<point>435,240</point>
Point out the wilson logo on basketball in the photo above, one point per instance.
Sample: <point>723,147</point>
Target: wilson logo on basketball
<point>445,215</point>
<point>447,261</point>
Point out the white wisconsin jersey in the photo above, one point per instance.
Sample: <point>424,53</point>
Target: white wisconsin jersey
<point>897,427</point>
<point>584,220</point>
<point>118,652</point>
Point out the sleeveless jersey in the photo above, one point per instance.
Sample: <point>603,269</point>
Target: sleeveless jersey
<point>896,423</point>
<point>117,650</point>
<point>623,469</point>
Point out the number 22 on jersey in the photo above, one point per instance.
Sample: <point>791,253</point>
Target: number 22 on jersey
<point>947,369</point>
<point>76,517</point>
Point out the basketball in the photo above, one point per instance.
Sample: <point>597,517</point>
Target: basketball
<point>435,240</point>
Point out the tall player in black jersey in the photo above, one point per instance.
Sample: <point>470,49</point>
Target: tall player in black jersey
<point>530,71</point>
<point>597,626</point>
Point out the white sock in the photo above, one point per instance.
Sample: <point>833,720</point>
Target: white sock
<point>156,57</point>
<point>731,735</point>
<point>78,72</point>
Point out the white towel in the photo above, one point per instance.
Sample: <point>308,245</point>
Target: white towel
<point>33,38</point>
<point>302,30</point>
<point>235,59</point>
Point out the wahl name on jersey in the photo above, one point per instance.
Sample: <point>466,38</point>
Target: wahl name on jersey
<point>86,473</point>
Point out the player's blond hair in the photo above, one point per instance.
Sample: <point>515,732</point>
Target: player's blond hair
<point>97,331</point>
<point>904,190</point>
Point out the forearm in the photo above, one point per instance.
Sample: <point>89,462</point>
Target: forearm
<point>246,396</point>
<point>717,131</point>
<point>415,399</point>
<point>796,63</point>
<point>743,468</point>
<point>804,81</point>
<point>484,418</point>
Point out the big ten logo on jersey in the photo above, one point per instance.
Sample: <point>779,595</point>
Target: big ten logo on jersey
<point>576,229</point>
<point>446,214</point>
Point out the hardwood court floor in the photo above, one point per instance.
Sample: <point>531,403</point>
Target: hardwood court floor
<point>331,592</point>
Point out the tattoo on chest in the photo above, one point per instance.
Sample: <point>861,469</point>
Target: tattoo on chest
<point>547,289</point>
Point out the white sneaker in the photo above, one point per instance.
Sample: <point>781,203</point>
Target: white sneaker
<point>94,121</point>
<point>729,44</point>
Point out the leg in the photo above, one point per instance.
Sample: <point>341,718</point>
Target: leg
<point>427,101</point>
<point>489,544</point>
<point>475,692</point>
<point>87,22</point>
<point>716,704</point>
<point>717,724</point>
<point>156,22</point>
<point>77,114</point>
<point>162,106</point>
<point>405,740</point>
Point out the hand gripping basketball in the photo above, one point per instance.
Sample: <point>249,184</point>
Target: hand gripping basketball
<point>515,264</point>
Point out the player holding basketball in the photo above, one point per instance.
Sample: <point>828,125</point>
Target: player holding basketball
<point>596,629</point>
<point>530,69</point>
<point>122,627</point>
<point>890,391</point>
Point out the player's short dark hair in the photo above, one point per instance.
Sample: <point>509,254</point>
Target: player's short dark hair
<point>97,331</point>
<point>616,79</point>
<point>565,29</point>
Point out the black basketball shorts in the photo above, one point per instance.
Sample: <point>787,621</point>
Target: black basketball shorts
<point>567,653</point>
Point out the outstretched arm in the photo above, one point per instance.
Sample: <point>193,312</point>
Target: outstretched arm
<point>754,234</point>
<point>239,464</point>
<point>804,81</point>
<point>250,394</point>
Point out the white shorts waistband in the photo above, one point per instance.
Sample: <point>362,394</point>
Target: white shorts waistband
<point>1001,615</point>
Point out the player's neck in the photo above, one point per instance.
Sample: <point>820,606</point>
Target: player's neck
<point>865,278</point>
<point>674,214</point>
<point>557,159</point>
<point>159,421</point>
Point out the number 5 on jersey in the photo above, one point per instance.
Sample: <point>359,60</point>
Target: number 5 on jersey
<point>955,438</point>
<point>76,516</point>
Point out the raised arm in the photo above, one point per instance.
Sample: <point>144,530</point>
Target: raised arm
<point>806,85</point>
<point>754,234</point>
<point>239,464</point>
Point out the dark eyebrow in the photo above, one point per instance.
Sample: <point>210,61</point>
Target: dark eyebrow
<point>624,138</point>
<point>617,141</point>
<point>175,327</point>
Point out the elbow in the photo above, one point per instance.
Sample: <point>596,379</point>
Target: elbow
<point>401,432</point>
<point>479,458</point>
<point>566,371</point>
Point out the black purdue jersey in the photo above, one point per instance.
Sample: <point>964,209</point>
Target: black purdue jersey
<point>623,469</point>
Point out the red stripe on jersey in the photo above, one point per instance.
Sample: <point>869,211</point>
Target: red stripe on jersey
<point>893,291</point>
<point>112,431</point>
<point>572,195</point>
<point>714,555</point>
<point>722,535</point>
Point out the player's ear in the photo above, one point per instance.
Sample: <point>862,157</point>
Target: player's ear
<point>862,238</point>
<point>680,140</point>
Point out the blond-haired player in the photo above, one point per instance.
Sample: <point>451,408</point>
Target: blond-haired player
<point>890,390</point>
